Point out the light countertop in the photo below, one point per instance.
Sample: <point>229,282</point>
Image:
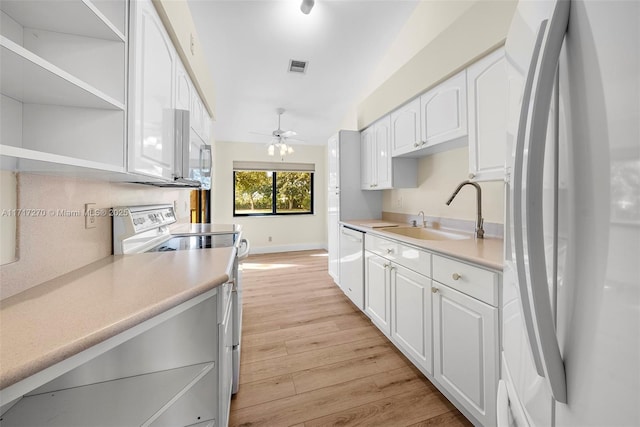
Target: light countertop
<point>487,252</point>
<point>64,316</point>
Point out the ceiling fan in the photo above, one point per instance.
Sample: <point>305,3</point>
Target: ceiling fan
<point>279,138</point>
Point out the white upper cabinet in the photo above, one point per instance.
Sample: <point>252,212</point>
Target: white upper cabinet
<point>487,84</point>
<point>379,170</point>
<point>443,111</point>
<point>153,64</point>
<point>435,117</point>
<point>367,149</point>
<point>183,88</point>
<point>62,88</point>
<point>382,153</point>
<point>405,128</point>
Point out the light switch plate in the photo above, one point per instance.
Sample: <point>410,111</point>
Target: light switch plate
<point>89,215</point>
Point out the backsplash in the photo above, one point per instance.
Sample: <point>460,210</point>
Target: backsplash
<point>57,242</point>
<point>438,175</point>
<point>491,229</point>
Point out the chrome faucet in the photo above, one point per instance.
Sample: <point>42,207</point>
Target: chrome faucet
<point>424,224</point>
<point>479,219</point>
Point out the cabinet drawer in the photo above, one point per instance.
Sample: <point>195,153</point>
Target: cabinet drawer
<point>473,281</point>
<point>405,255</point>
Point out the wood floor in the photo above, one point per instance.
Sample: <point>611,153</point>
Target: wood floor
<point>311,358</point>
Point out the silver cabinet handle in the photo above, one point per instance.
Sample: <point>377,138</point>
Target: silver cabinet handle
<point>435,290</point>
<point>389,251</point>
<point>386,266</point>
<point>456,276</point>
<point>472,175</point>
<point>416,144</point>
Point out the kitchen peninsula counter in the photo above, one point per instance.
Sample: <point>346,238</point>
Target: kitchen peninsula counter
<point>58,319</point>
<point>487,252</point>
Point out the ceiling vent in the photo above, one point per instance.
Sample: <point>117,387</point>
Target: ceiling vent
<point>297,66</point>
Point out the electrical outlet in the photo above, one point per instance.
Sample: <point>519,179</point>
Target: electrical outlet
<point>270,239</point>
<point>89,215</point>
<point>192,45</point>
<point>399,202</point>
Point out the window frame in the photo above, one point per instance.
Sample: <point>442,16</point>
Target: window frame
<point>274,198</point>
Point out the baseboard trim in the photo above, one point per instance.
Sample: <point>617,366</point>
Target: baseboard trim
<point>287,248</point>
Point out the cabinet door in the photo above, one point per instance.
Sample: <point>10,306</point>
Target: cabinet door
<point>377,292</point>
<point>367,165</point>
<point>333,216</point>
<point>405,128</point>
<point>487,84</point>
<point>382,168</point>
<point>183,88</point>
<point>152,140</point>
<point>197,112</point>
<point>333,158</point>
<point>225,371</point>
<point>444,111</point>
<point>411,315</point>
<point>465,346</point>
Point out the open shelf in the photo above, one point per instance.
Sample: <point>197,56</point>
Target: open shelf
<point>140,400</point>
<point>25,160</point>
<point>30,79</point>
<point>79,17</point>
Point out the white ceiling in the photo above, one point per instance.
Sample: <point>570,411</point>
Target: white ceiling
<point>248,45</point>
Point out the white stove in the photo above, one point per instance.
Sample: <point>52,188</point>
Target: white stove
<point>153,228</point>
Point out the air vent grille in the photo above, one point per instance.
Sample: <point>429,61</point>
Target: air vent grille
<point>296,66</point>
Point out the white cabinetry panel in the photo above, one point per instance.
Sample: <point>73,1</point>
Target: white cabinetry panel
<point>465,350</point>
<point>378,291</point>
<point>487,84</point>
<point>444,111</point>
<point>405,128</point>
<point>411,308</point>
<point>151,142</point>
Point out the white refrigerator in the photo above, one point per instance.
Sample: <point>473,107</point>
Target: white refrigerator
<point>571,299</point>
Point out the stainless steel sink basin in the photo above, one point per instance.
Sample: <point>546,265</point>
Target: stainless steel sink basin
<point>426,234</point>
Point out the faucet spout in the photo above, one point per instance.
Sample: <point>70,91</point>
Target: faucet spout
<point>479,219</point>
<point>424,223</point>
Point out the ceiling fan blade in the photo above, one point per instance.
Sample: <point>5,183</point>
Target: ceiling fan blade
<point>288,133</point>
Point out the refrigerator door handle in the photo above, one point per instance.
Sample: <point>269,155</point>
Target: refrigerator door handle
<point>517,200</point>
<point>535,142</point>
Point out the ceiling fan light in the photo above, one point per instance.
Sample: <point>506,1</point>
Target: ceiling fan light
<point>271,150</point>
<point>283,149</point>
<point>306,6</point>
<point>290,150</point>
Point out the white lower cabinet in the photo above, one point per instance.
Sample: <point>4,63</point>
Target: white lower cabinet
<point>167,375</point>
<point>465,341</point>
<point>225,365</point>
<point>411,315</point>
<point>442,314</point>
<point>378,291</point>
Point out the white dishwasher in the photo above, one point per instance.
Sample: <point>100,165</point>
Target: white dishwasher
<point>352,264</point>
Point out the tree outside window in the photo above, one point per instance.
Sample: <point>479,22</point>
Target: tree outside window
<point>272,193</point>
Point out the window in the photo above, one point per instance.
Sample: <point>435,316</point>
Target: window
<point>283,189</point>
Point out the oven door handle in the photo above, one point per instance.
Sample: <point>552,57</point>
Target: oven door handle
<point>242,254</point>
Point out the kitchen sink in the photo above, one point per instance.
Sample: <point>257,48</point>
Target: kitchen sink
<point>427,234</point>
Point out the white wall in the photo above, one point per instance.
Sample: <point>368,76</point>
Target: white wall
<point>52,245</point>
<point>293,232</point>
